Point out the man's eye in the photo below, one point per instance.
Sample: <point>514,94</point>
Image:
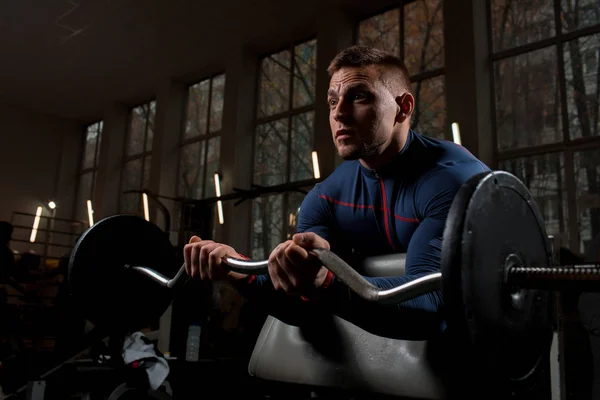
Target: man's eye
<point>332,102</point>
<point>359,96</point>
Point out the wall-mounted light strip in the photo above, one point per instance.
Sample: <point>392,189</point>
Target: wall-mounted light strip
<point>219,203</point>
<point>456,133</point>
<point>146,208</point>
<point>36,224</point>
<point>90,212</point>
<point>315,162</point>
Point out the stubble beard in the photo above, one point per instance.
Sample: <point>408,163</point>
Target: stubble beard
<point>364,150</point>
<point>360,150</point>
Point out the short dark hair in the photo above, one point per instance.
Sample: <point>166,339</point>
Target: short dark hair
<point>364,56</point>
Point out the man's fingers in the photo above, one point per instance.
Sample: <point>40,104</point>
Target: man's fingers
<point>187,256</point>
<point>204,262</point>
<point>195,239</point>
<point>215,259</point>
<point>310,240</point>
<point>287,269</point>
<point>199,263</point>
<point>195,261</point>
<point>273,267</point>
<point>277,274</point>
<point>296,254</point>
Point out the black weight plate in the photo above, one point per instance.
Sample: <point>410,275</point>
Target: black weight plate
<point>494,219</point>
<point>110,295</point>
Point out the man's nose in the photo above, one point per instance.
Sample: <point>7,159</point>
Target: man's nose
<point>341,113</point>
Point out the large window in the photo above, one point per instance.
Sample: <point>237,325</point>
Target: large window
<point>415,33</point>
<point>137,156</point>
<point>88,168</point>
<point>283,140</point>
<point>546,91</point>
<point>201,138</point>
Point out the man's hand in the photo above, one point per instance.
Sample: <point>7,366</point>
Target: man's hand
<point>293,269</point>
<point>204,260</point>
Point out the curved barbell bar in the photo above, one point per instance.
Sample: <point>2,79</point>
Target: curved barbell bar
<point>342,271</point>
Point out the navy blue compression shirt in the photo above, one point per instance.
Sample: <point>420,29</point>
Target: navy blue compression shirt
<point>398,208</point>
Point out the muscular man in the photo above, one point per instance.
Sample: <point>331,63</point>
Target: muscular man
<point>391,194</point>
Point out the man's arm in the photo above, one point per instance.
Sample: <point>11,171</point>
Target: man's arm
<point>421,316</point>
<point>312,218</point>
<point>413,319</point>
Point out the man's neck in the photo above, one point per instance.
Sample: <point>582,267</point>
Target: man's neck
<point>390,151</point>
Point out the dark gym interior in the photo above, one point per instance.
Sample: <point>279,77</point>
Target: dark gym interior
<point>210,118</point>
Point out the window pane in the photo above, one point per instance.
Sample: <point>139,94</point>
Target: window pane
<point>527,100</point>
<point>137,131</point>
<point>516,23</point>
<point>100,129</point>
<point>544,176</point>
<point>212,166</point>
<point>274,84</point>
<point>429,117</point>
<point>216,103</point>
<point>302,146</point>
<point>579,14</point>
<point>84,193</point>
<point>267,222</point>
<point>587,176</point>
<point>294,200</point>
<point>89,150</point>
<point>146,177</point>
<point>423,35</point>
<point>270,155</point>
<point>381,31</point>
<point>191,170</point>
<point>131,180</point>
<point>197,110</point>
<point>150,114</point>
<point>305,58</point>
<point>581,74</point>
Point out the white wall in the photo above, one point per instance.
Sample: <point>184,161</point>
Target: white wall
<point>39,158</point>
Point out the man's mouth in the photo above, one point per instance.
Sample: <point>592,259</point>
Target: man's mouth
<point>343,134</point>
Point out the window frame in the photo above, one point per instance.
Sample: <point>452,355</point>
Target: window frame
<point>567,147</point>
<point>143,155</point>
<point>81,171</point>
<point>414,78</point>
<point>288,114</point>
<point>182,143</point>
<point>290,110</point>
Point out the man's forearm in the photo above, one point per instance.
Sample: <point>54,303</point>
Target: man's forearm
<point>235,277</point>
<point>414,319</point>
<point>259,289</point>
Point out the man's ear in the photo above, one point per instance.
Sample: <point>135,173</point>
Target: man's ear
<point>406,106</point>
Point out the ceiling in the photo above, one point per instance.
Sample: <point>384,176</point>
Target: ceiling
<point>72,58</point>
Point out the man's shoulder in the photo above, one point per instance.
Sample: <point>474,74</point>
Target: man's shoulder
<point>444,150</point>
<point>436,187</point>
<point>452,172</point>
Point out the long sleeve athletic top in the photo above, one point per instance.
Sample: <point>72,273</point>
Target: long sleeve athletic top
<point>399,208</point>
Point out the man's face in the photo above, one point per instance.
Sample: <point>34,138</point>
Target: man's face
<point>362,112</point>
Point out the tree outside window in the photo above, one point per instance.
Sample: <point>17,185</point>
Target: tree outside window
<point>138,157</point>
<point>545,81</point>
<point>283,140</point>
<point>88,169</point>
<point>415,33</point>
<point>200,143</point>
